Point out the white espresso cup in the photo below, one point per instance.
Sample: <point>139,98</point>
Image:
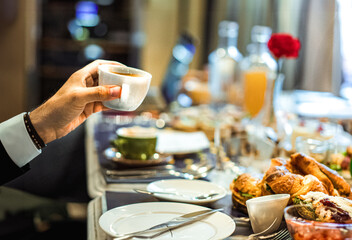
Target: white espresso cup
<point>266,211</point>
<point>134,85</point>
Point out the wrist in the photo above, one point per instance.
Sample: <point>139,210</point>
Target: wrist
<point>36,139</point>
<point>40,125</point>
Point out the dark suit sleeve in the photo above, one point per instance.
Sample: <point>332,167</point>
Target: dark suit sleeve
<point>8,169</point>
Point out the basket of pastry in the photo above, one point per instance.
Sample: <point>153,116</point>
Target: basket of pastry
<point>298,175</point>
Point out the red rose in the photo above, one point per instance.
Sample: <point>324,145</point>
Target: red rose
<point>284,45</point>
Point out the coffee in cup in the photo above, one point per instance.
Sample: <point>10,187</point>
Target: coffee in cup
<point>136,143</point>
<point>134,85</point>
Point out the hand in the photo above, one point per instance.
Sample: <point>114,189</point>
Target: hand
<point>75,101</point>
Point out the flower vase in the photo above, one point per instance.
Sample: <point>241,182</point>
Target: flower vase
<point>268,114</point>
<point>277,90</point>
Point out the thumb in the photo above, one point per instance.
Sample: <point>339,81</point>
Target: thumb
<point>101,93</point>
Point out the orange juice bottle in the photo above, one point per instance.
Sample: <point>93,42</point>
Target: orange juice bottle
<point>258,70</point>
<point>255,85</point>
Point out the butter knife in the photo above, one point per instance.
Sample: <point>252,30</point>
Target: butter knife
<point>173,223</point>
<point>157,174</point>
<point>139,171</point>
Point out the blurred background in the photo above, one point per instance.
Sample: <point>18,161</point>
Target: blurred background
<point>44,41</point>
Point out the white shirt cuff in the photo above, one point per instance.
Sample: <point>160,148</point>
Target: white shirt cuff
<point>17,142</point>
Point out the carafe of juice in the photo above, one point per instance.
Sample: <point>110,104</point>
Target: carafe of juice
<point>258,72</point>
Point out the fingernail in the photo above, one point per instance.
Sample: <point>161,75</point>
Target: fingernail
<point>115,91</point>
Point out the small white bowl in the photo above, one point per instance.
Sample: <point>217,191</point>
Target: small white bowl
<point>264,210</point>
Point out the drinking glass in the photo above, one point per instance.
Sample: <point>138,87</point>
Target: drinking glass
<point>316,148</point>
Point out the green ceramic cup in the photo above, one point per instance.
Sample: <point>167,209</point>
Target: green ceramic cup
<point>136,143</point>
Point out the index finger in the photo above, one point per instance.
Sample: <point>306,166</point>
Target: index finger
<point>92,68</point>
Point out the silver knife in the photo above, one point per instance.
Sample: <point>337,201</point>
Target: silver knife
<point>130,172</point>
<point>157,174</point>
<point>140,171</point>
<point>174,223</point>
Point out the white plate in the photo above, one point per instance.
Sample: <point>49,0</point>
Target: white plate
<point>178,142</point>
<point>186,188</point>
<point>140,216</point>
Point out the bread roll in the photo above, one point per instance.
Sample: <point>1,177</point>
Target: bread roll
<point>245,187</point>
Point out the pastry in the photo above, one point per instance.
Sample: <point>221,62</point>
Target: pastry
<point>280,178</point>
<point>307,165</point>
<point>296,176</point>
<point>333,182</point>
<point>243,188</point>
<point>339,183</point>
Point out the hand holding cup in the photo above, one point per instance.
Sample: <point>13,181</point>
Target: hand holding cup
<point>134,85</point>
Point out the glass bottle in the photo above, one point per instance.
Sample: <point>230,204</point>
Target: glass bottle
<point>223,64</point>
<point>258,72</point>
<point>182,55</point>
<point>223,83</point>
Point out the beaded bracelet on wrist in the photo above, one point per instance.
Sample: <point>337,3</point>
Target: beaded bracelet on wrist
<point>37,140</point>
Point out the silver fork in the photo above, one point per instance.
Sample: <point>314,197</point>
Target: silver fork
<point>283,234</point>
<point>198,197</point>
<point>143,236</point>
<point>265,231</point>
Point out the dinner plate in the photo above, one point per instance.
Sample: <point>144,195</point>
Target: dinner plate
<point>140,216</point>
<point>186,189</point>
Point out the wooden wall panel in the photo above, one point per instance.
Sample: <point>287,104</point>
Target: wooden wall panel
<point>12,47</point>
<point>17,58</point>
<point>161,31</point>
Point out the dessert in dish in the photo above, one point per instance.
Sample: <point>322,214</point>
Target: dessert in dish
<point>303,229</point>
<point>316,215</point>
<point>324,208</point>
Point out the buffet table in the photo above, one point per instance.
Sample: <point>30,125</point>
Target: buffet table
<point>107,194</point>
<point>110,195</point>
<point>95,178</point>
<point>110,200</point>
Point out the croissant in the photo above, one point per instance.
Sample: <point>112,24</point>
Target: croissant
<point>279,179</point>
<point>307,165</point>
<point>332,181</point>
<point>339,183</point>
<point>296,176</point>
